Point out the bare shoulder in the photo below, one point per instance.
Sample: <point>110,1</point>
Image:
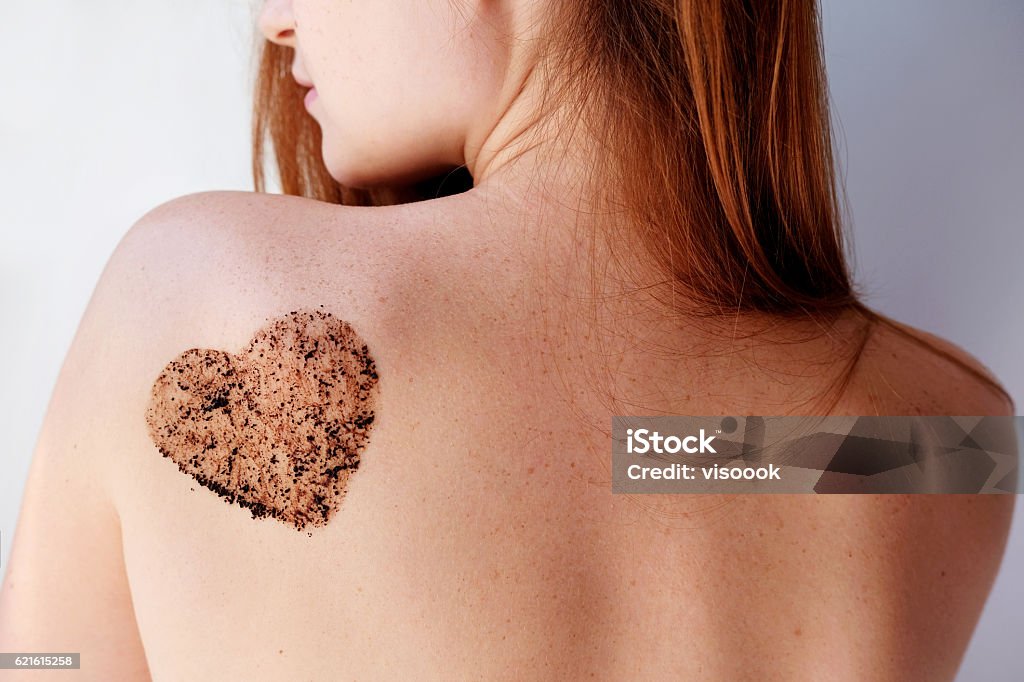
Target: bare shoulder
<point>205,270</point>
<point>232,250</point>
<point>69,530</point>
<point>255,225</point>
<point>910,370</point>
<point>940,536</point>
<point>201,271</point>
<point>903,374</point>
<point>203,222</point>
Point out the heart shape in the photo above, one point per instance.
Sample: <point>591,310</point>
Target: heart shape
<point>278,428</point>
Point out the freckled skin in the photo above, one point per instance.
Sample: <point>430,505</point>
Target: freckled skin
<point>278,428</point>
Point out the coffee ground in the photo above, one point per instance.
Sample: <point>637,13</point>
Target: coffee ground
<point>280,427</point>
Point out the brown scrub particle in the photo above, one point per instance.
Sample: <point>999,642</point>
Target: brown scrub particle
<point>278,428</point>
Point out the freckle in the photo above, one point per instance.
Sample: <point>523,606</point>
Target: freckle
<point>943,574</point>
<point>798,632</point>
<point>529,470</point>
<point>277,429</point>
<point>280,651</point>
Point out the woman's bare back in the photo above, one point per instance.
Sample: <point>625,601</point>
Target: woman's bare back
<point>478,538</point>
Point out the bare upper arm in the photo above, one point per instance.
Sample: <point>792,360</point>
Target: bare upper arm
<point>66,587</point>
<point>971,530</point>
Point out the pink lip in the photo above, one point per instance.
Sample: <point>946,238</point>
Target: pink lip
<point>310,96</point>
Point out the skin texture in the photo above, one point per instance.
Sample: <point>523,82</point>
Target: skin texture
<point>479,538</point>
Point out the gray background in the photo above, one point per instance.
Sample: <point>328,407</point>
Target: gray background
<point>110,108</point>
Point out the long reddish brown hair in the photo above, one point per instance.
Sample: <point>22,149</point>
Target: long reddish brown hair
<point>714,120</point>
